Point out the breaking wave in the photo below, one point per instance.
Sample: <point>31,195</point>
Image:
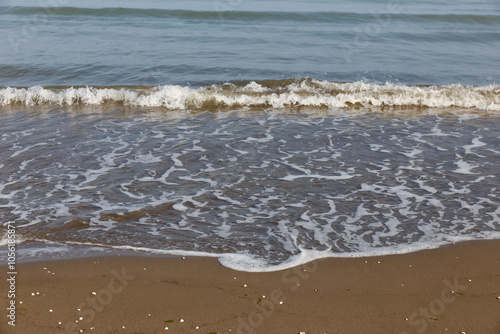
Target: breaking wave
<point>275,94</point>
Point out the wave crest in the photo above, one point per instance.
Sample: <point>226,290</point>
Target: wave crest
<point>275,94</point>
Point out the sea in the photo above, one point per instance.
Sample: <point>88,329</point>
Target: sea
<point>265,133</point>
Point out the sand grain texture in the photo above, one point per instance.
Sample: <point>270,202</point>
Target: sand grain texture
<point>360,295</point>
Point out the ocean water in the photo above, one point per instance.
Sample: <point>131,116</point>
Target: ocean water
<point>264,133</point>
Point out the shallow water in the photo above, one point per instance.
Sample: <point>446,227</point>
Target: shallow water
<point>265,184</point>
<point>75,42</point>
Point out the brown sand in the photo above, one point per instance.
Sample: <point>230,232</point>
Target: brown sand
<point>409,293</point>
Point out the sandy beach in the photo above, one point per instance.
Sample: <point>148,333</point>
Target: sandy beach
<point>449,290</point>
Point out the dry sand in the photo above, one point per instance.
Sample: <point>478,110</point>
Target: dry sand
<point>449,290</point>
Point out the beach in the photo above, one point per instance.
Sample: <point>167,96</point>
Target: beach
<point>249,166</point>
<point>453,289</point>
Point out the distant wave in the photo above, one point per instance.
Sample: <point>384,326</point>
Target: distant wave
<point>275,94</point>
<point>244,15</point>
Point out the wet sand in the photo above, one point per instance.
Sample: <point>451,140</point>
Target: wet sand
<point>449,290</point>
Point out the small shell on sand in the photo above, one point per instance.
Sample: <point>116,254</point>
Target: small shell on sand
<point>94,293</point>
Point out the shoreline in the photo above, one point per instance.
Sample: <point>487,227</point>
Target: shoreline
<point>450,289</point>
<point>43,251</point>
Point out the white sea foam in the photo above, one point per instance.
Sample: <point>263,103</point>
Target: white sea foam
<point>342,176</point>
<point>306,92</point>
<point>464,167</point>
<point>179,207</point>
<point>476,142</point>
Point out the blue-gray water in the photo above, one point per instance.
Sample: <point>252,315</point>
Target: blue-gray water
<point>267,133</point>
<point>199,42</point>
